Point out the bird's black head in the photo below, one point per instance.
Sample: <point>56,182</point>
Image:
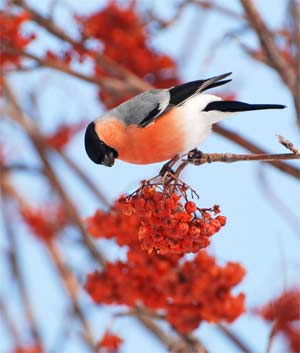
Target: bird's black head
<point>96,149</point>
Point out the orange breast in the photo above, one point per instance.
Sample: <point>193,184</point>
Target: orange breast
<point>156,142</point>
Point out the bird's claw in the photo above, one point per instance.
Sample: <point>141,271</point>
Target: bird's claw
<point>195,154</point>
<point>166,169</point>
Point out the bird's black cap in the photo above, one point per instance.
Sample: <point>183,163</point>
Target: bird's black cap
<point>96,149</point>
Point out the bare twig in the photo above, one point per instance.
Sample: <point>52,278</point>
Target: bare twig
<point>85,179</point>
<point>185,345</point>
<point>243,142</point>
<point>287,144</point>
<point>271,337</point>
<point>72,288</point>
<point>16,267</point>
<point>279,204</point>
<point>10,325</point>
<point>38,141</point>
<point>230,158</point>
<point>268,44</point>
<point>243,347</point>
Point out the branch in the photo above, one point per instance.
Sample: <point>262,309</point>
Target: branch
<point>16,267</point>
<point>268,44</point>
<point>38,142</point>
<point>240,140</point>
<point>72,288</point>
<point>186,344</point>
<point>233,337</point>
<point>85,179</point>
<point>107,63</point>
<point>11,327</point>
<point>230,158</point>
<point>110,84</point>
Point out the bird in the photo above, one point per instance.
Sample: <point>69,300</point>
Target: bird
<point>159,124</point>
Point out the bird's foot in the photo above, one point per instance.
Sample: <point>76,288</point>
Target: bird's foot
<point>194,154</point>
<point>167,167</point>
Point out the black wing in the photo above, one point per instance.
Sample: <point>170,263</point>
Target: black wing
<point>181,93</point>
<point>178,95</point>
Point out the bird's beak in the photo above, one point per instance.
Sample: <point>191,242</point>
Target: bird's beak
<point>109,159</point>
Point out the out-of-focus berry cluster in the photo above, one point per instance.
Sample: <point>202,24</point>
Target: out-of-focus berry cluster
<point>284,313</point>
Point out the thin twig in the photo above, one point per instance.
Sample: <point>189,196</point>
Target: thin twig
<point>16,267</point>
<point>72,288</point>
<point>251,147</point>
<point>85,179</point>
<point>243,347</point>
<point>230,157</point>
<point>287,144</point>
<point>38,141</point>
<point>271,337</point>
<point>9,323</point>
<point>268,44</point>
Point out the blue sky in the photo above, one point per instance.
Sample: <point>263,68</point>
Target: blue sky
<point>256,234</point>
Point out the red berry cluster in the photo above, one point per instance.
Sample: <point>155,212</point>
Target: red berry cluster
<point>188,292</point>
<point>284,312</point>
<point>44,222</point>
<point>170,224</point>
<point>114,224</point>
<point>124,38</point>
<point>63,134</point>
<point>11,38</point>
<point>110,343</point>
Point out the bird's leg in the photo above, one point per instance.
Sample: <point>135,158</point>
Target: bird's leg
<point>194,154</point>
<point>167,167</point>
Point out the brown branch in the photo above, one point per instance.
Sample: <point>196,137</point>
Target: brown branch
<point>233,337</point>
<point>287,144</point>
<point>283,208</point>
<point>211,5</point>
<point>85,179</point>
<point>111,84</point>
<point>70,282</point>
<point>10,325</point>
<point>231,158</point>
<point>271,337</point>
<point>186,344</point>
<point>251,147</point>
<point>107,63</point>
<point>295,16</point>
<point>38,142</point>
<point>72,287</point>
<point>268,44</point>
<point>15,265</point>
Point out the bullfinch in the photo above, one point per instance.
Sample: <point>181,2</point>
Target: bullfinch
<point>158,124</point>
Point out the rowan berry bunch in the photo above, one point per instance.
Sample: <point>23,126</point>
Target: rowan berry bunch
<point>45,222</point>
<point>124,38</point>
<point>169,222</point>
<point>63,135</point>
<point>200,289</point>
<point>110,343</point>
<point>284,313</point>
<point>11,37</point>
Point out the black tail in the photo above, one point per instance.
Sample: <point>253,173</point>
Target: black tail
<point>235,106</point>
